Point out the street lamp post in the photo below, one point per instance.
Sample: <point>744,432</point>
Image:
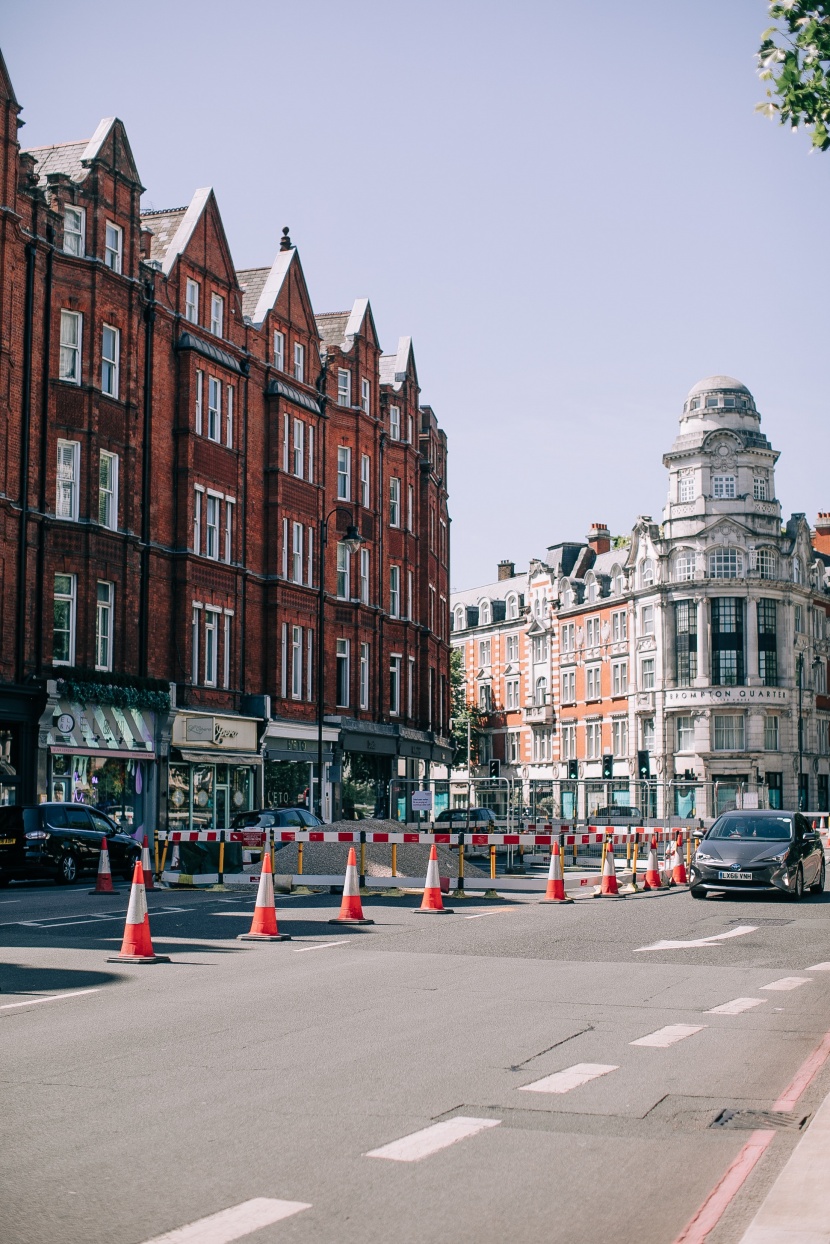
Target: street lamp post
<point>352,540</point>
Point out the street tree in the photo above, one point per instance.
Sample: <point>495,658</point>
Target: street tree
<point>461,713</point>
<point>794,58</point>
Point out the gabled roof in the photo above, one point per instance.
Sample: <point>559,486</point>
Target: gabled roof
<point>6,83</point>
<point>339,328</point>
<point>252,282</point>
<point>499,590</point>
<point>74,159</point>
<point>394,367</point>
<point>175,229</point>
<point>332,327</point>
<point>264,285</point>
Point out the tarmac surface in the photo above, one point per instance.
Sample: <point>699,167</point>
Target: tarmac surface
<point>549,1071</point>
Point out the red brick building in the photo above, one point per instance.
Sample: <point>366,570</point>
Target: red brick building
<point>180,437</point>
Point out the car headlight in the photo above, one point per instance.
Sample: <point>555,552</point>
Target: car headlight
<point>703,858</point>
<point>775,859</point>
<point>38,834</point>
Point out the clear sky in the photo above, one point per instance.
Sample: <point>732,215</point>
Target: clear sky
<point>572,209</point>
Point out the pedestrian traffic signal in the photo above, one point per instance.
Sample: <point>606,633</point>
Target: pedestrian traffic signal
<point>495,768</point>
<point>643,765</point>
<point>573,770</point>
<point>607,766</point>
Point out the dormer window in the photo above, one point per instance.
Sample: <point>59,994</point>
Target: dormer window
<point>511,609</point>
<point>113,246</point>
<point>617,581</point>
<point>723,487</point>
<point>74,229</point>
<point>647,573</point>
<point>591,589</point>
<point>485,615</point>
<point>458,619</point>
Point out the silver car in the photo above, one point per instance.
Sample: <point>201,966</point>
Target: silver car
<point>750,852</point>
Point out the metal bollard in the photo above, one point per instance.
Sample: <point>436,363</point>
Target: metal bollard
<point>272,837</point>
<point>362,879</point>
<point>163,857</point>
<point>221,857</point>
<point>492,863</point>
<point>156,853</point>
<point>300,846</point>
<point>394,859</point>
<point>461,863</point>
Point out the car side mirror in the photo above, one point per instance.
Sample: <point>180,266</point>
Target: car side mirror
<point>699,834</point>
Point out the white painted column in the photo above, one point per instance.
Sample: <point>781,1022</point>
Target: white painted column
<point>751,677</point>
<point>703,658</point>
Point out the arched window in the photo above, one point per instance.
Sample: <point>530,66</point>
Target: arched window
<point>485,614</point>
<point>726,564</point>
<point>511,609</point>
<point>567,595</point>
<point>798,574</point>
<point>537,606</point>
<point>646,572</point>
<point>458,618</point>
<point>684,566</point>
<point>591,588</point>
<point>617,581</point>
<point>540,692</point>
<point>767,564</point>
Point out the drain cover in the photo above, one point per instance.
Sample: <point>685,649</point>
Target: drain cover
<point>748,1120</point>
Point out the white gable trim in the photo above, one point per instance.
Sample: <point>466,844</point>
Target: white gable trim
<point>185,230</point>
<point>97,141</point>
<point>273,284</point>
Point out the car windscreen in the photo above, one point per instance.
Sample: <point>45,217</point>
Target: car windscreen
<point>765,828</point>
<point>253,820</point>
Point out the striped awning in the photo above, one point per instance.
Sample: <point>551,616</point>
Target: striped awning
<point>96,729</point>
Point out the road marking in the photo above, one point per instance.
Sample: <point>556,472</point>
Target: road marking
<point>570,1078</point>
<point>96,918</point>
<point>787,982</point>
<point>300,950</point>
<point>740,931</point>
<point>819,967</point>
<point>232,913</point>
<point>805,1075</point>
<point>430,1139</point>
<point>500,911</point>
<point>730,1183</point>
<point>57,997</point>
<point>736,1007</point>
<point>232,1224</point>
<point>670,1035</point>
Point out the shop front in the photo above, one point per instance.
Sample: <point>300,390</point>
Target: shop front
<point>19,713</point>
<point>290,754</point>
<point>215,770</point>
<point>104,756</point>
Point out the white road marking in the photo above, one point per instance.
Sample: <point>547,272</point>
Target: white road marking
<point>431,1139</point>
<point>819,967</point>
<point>501,911</point>
<point>232,913</point>
<point>701,941</point>
<point>736,1007</point>
<point>61,922</point>
<point>232,1224</point>
<point>57,997</point>
<point>300,950</point>
<point>670,1035</point>
<point>787,982</point>
<point>570,1078</point>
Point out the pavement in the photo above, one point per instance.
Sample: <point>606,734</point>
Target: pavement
<point>510,1071</point>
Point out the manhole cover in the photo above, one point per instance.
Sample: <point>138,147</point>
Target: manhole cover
<point>749,1120</point>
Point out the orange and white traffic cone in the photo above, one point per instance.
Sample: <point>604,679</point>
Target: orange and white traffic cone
<point>431,903</point>
<point>137,946</point>
<point>555,893</point>
<point>146,865</point>
<point>652,879</point>
<point>678,872</point>
<point>351,908</point>
<point>103,884</point>
<point>608,885</point>
<point>264,924</point>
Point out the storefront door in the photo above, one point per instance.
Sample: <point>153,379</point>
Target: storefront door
<point>222,802</point>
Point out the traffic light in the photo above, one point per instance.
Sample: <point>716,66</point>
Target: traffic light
<point>495,768</point>
<point>643,765</point>
<point>607,766</point>
<point>573,770</point>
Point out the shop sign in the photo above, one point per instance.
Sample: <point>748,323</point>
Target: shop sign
<point>89,729</point>
<point>726,695</point>
<point>233,734</point>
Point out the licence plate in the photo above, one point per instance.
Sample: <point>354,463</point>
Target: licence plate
<point>7,842</point>
<point>734,876</point>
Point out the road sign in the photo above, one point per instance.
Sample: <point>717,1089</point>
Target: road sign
<point>422,801</point>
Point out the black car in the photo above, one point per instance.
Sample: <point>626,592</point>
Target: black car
<point>480,818</point>
<point>60,840</point>
<point>752,852</point>
<point>276,818</point>
<point>618,814</point>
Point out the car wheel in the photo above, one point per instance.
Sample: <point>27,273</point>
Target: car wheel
<point>797,892</point>
<point>697,891</point>
<point>67,870</point>
<point>818,884</point>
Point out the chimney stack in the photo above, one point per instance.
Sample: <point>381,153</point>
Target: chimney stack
<point>506,570</point>
<point>599,538</point>
<point>821,535</point>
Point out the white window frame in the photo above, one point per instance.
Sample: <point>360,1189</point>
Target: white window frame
<point>342,678</point>
<point>279,349</point>
<point>365,481</point>
<point>71,346</point>
<point>395,685</point>
<point>723,487</point>
<point>344,387</point>
<point>214,412</point>
<point>394,501</point>
<point>310,454</point>
<point>69,594</point>
<point>226,648</point>
<point>593,682</point>
<point>110,364</point>
<point>229,417</point>
<point>648,674</point>
<point>772,733</point>
<point>409,595</point>
<point>68,482</point>
<point>568,685</point>
<point>568,740</point>
<point>759,488</point>
<point>363,677</point>
<point>728,739</point>
<point>647,620</point>
<point>721,560</point>
<point>366,396</point>
<point>344,473</point>
<point>213,511</point>
<point>684,733</point>
<point>344,572</point>
<point>364,576</point>
<point>285,548</point>
<point>297,552</point>
<point>113,246</point>
<point>511,648</point>
<point>299,449</point>
<point>593,740</point>
<point>619,737</point>
<point>394,591</point>
<point>299,362</point>
<point>296,662</point>
<point>310,557</point>
<point>217,314</point>
<point>191,301</point>
<point>78,232</point>
<point>103,624</point>
<point>108,496</point>
<point>395,423</point>
<point>410,508</point>
<point>686,488</point>
<point>229,508</point>
<point>200,389</point>
<point>619,678</point>
<point>198,492</point>
<point>212,617</point>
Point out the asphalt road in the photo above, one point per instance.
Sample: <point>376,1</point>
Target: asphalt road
<point>137,1100</point>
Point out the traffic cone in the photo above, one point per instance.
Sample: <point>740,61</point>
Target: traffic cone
<point>652,880</point>
<point>555,893</point>
<point>103,884</point>
<point>608,886</point>
<point>351,908</point>
<point>264,924</point>
<point>678,872</point>
<point>432,903</point>
<point>137,946</point>
<point>147,865</point>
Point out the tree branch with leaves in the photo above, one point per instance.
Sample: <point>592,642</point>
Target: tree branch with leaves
<point>461,713</point>
<point>794,58</point>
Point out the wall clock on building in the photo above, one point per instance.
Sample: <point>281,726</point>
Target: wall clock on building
<point>66,723</point>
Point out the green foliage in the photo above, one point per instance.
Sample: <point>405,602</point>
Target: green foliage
<point>461,712</point>
<point>620,542</point>
<point>83,686</point>
<point>794,57</point>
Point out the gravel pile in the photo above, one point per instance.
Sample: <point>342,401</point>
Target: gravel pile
<point>329,858</point>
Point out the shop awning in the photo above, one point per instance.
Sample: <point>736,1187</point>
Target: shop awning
<point>102,730</point>
<point>218,757</point>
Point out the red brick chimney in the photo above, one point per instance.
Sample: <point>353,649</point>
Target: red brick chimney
<point>821,535</point>
<point>599,538</point>
<point>506,570</point>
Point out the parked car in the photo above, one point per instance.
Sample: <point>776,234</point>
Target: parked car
<point>756,852</point>
<point>481,818</point>
<point>60,840</point>
<point>276,818</point>
<point>619,814</point>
